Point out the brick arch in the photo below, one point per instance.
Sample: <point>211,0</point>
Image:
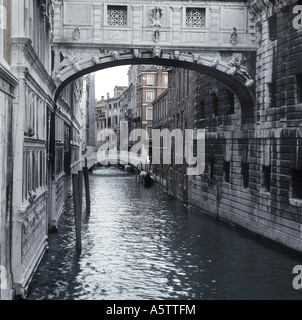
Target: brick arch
<point>240,82</point>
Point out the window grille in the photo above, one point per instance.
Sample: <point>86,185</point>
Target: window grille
<point>117,16</point>
<point>195,17</point>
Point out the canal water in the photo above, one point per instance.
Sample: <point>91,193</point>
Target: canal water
<point>138,246</point>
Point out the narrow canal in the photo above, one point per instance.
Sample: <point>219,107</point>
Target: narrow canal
<point>138,246</point>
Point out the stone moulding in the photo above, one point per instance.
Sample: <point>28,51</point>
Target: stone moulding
<point>258,6</point>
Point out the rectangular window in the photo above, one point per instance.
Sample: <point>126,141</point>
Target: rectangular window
<point>202,110</point>
<point>149,131</point>
<point>117,16</point>
<point>299,87</point>
<point>215,104</point>
<point>266,177</point>
<point>231,101</point>
<point>272,94</point>
<point>211,169</point>
<point>150,80</point>
<point>245,169</point>
<point>272,26</point>
<point>226,171</point>
<point>150,96</point>
<point>33,171</point>
<point>149,114</point>
<point>297,184</point>
<point>195,17</point>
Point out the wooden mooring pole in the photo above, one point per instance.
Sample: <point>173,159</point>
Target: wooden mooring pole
<point>77,186</point>
<point>87,187</point>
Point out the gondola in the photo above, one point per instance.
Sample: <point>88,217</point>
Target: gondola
<point>129,168</point>
<point>146,178</point>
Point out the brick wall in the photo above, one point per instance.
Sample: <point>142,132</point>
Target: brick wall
<point>253,175</point>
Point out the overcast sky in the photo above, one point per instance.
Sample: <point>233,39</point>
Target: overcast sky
<point>106,80</point>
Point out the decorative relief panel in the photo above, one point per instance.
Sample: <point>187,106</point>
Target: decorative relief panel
<point>77,14</point>
<point>228,21</point>
<point>60,195</point>
<point>33,232</point>
<point>115,35</point>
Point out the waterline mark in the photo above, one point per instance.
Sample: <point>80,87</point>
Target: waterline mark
<point>3,278</point>
<point>188,146</point>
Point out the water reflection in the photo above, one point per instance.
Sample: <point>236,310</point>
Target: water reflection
<point>138,246</point>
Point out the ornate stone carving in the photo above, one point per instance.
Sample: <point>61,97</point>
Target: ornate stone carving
<point>156,17</point>
<point>214,63</point>
<point>196,57</point>
<point>33,232</point>
<point>136,53</point>
<point>59,77</point>
<point>95,60</point>
<point>70,60</point>
<point>156,52</point>
<point>234,37</point>
<point>76,34</point>
<point>176,55</point>
<point>237,66</point>
<point>156,35</point>
<point>115,55</point>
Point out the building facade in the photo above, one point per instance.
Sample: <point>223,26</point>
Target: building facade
<point>113,108</point>
<point>100,118</point>
<point>152,81</point>
<point>40,141</point>
<point>8,84</point>
<point>174,109</point>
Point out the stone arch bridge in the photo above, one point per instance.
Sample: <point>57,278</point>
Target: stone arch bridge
<point>214,38</point>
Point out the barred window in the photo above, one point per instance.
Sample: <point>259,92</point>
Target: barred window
<point>195,17</point>
<point>117,15</point>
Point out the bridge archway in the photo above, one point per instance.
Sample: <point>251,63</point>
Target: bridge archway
<point>214,38</point>
<point>233,74</point>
